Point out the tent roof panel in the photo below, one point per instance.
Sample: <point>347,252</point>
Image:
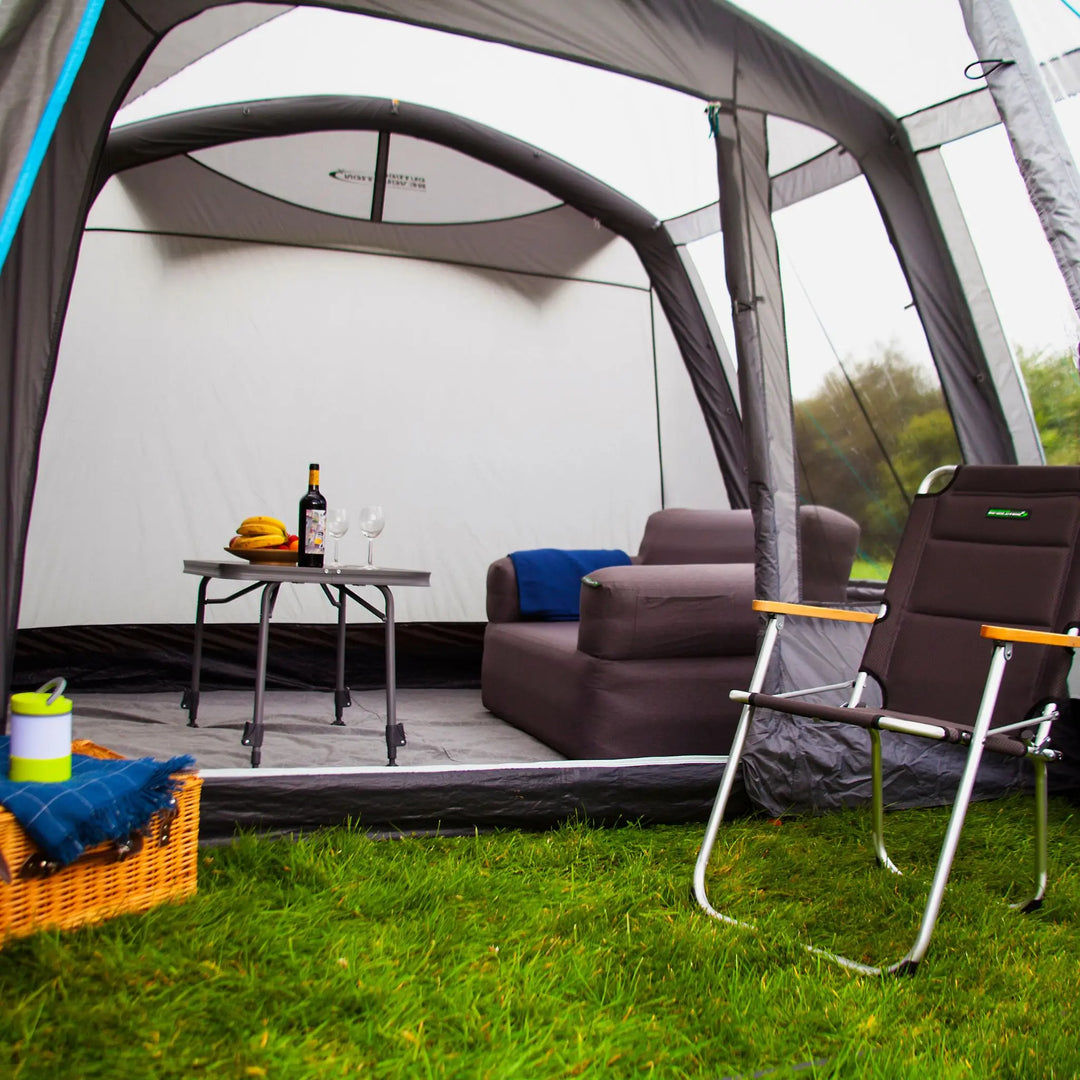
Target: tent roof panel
<point>792,144</point>
<point>199,36</point>
<point>331,171</point>
<point>335,171</point>
<point>591,117</point>
<point>431,183</point>
<point>178,196</point>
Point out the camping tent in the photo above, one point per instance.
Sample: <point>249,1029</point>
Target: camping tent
<point>535,380</point>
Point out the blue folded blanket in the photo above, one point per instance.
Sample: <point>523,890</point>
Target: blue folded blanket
<point>549,579</point>
<point>103,800</point>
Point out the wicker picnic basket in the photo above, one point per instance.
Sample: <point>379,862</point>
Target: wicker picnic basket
<point>100,883</point>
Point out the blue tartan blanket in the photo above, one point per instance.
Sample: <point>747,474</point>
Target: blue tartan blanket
<point>103,800</point>
<point>549,579</point>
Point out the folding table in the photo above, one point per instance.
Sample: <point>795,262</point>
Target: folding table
<point>269,577</point>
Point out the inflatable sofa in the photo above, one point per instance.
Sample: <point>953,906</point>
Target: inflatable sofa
<point>644,664</point>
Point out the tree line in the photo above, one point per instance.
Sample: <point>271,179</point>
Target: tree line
<point>872,431</point>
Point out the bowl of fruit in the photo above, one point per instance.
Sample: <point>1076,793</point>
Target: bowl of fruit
<point>263,539</point>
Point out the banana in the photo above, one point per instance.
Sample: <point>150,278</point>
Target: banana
<point>243,543</point>
<point>260,530</point>
<point>259,521</point>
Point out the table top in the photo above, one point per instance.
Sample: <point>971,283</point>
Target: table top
<point>319,575</point>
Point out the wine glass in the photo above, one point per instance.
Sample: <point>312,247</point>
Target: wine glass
<point>371,524</point>
<point>337,525</point>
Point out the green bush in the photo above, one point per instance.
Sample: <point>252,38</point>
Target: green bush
<point>876,427</point>
<point>1053,384</point>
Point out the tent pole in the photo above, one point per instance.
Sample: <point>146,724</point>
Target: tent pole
<point>753,279</point>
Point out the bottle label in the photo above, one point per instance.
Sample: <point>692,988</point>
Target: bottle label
<point>314,531</point>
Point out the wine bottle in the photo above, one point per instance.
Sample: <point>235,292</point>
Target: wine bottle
<point>312,530</point>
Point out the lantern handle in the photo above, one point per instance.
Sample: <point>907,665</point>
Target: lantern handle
<point>60,685</point>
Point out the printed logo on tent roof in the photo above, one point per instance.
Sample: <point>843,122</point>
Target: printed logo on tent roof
<point>401,181</point>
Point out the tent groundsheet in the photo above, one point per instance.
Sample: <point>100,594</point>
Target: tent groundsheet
<point>460,769</point>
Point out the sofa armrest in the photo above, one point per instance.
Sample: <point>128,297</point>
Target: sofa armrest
<point>829,542</point>
<point>502,591</point>
<point>662,612</point>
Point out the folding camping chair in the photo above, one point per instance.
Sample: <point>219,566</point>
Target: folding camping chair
<point>986,568</point>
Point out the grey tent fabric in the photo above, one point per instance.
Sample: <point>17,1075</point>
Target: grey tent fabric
<point>753,271</point>
<point>36,277</point>
<point>1036,136</point>
<point>704,47</point>
<point>793,765</point>
<point>191,40</point>
<point>37,38</point>
<point>190,200</point>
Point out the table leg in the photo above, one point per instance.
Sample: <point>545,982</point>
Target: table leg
<point>253,730</point>
<point>395,732</point>
<point>342,698</point>
<point>190,698</point>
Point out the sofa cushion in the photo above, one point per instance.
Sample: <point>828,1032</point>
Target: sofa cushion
<point>679,536</point>
<point>654,612</point>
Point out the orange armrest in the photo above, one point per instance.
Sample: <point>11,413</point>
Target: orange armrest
<point>778,607</point>
<point>1036,637</point>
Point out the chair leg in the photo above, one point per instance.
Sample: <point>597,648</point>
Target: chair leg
<point>727,782</point>
<point>1041,862</point>
<point>910,962</point>
<point>878,803</point>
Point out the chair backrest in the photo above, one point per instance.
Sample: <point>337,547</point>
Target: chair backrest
<point>998,545</point>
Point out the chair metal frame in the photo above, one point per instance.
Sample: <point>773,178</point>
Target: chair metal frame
<point>1036,744</point>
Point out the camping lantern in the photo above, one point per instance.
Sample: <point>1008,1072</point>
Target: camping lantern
<point>40,727</point>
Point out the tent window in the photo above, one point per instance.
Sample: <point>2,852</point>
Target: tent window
<point>870,417</point>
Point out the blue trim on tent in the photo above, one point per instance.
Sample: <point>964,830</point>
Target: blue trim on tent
<point>46,126</point>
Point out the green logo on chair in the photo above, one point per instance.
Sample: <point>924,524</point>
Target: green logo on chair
<point>1002,512</point>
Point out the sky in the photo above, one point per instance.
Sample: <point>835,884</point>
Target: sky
<point>912,54</point>
<point>653,144</point>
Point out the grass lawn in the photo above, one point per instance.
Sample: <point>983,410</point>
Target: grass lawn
<point>868,570</point>
<point>577,952</point>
